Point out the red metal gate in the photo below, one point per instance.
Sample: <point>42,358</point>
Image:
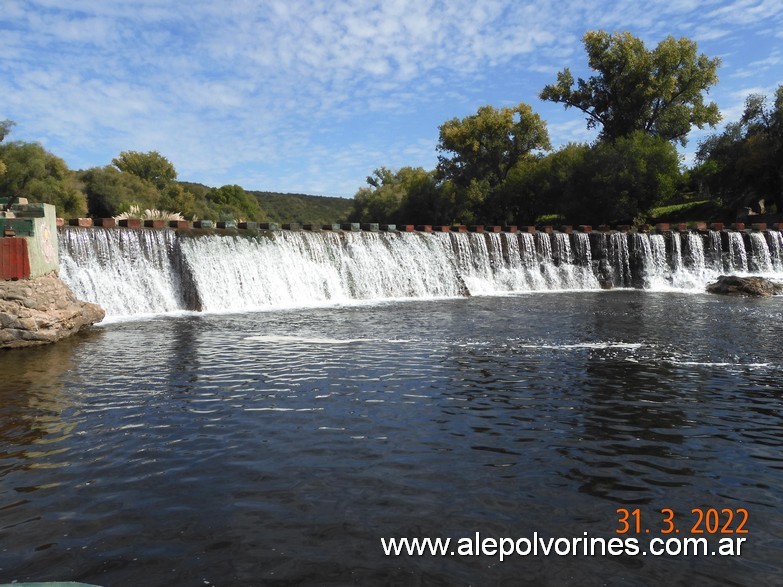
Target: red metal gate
<point>14,262</point>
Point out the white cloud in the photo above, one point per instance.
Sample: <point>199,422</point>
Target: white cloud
<point>276,93</point>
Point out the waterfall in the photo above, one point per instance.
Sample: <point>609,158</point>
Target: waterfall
<point>143,271</point>
<point>714,251</point>
<point>760,259</point>
<point>126,272</point>
<point>775,242</point>
<point>736,257</point>
<point>651,258</point>
<point>619,259</point>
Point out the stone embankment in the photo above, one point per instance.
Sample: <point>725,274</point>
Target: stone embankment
<point>41,310</point>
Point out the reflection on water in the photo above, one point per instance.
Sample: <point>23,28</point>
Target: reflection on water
<point>281,446</point>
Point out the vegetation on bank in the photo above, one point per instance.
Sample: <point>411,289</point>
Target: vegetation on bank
<point>146,181</point>
<point>496,166</point>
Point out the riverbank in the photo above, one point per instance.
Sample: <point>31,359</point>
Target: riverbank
<point>41,310</point>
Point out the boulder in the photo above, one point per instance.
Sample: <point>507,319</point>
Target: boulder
<point>745,286</point>
<point>41,310</point>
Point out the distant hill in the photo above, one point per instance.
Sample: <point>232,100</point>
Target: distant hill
<point>284,208</point>
<point>303,208</point>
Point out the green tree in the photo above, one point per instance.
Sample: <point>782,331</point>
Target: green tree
<point>233,202</point>
<point>659,92</point>
<point>34,173</point>
<point>5,128</point>
<point>620,181</point>
<point>110,191</point>
<point>408,195</point>
<point>479,150</point>
<point>152,167</point>
<point>538,186</point>
<point>743,165</point>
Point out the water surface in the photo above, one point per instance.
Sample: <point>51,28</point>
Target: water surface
<point>280,447</point>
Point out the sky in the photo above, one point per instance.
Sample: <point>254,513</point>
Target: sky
<point>309,96</point>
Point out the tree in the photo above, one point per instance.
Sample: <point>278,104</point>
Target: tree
<point>409,195</point>
<point>659,92</point>
<point>33,172</point>
<point>231,201</point>
<point>483,148</point>
<point>5,128</point>
<point>743,165</point>
<point>110,191</point>
<point>620,181</point>
<point>151,166</point>
<point>537,186</point>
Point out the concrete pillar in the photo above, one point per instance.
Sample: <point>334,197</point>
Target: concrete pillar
<point>424,228</point>
<point>476,228</point>
<point>105,222</point>
<point>717,226</point>
<point>738,226</point>
<point>133,222</point>
<point>155,223</point>
<point>351,226</point>
<point>759,226</point>
<point>585,228</point>
<point>459,228</point>
<point>241,225</point>
<point>567,228</point>
<point>203,224</point>
<point>83,222</point>
<point>510,228</point>
<point>330,227</point>
<point>370,226</point>
<point>266,225</point>
<point>389,227</point>
<point>405,227</point>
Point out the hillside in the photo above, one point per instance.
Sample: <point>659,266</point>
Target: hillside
<point>303,208</point>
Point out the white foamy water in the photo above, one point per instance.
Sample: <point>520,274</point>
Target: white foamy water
<point>145,271</point>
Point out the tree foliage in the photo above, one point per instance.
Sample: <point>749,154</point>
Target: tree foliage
<point>232,201</point>
<point>478,151</point>
<point>622,180</point>
<point>744,164</point>
<point>400,197</point>
<point>111,191</point>
<point>34,173</point>
<point>659,92</point>
<point>151,166</point>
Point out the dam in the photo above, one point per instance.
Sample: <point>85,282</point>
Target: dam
<point>147,270</point>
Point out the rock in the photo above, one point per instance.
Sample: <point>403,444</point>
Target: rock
<point>28,317</point>
<point>745,286</point>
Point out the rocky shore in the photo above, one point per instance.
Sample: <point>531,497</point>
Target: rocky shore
<point>41,310</point>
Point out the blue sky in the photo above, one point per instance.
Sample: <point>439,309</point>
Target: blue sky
<point>311,97</point>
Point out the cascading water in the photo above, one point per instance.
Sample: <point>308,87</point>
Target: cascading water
<point>775,242</point>
<point>619,258</point>
<point>714,251</point>
<point>125,271</point>
<point>139,271</point>
<point>736,259</point>
<point>760,260</point>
